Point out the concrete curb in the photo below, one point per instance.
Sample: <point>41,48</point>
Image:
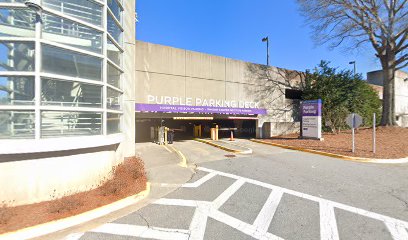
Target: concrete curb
<point>61,224</point>
<point>183,158</point>
<point>249,151</point>
<point>343,157</point>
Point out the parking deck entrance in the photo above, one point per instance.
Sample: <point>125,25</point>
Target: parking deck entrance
<point>190,127</point>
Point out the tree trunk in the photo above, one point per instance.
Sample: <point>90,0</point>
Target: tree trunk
<point>388,111</point>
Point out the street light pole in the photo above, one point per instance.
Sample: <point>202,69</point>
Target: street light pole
<point>266,39</point>
<point>354,63</point>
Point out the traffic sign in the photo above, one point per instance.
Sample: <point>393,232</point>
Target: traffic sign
<point>354,120</point>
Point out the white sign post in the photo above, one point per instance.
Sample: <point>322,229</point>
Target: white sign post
<point>354,121</point>
<point>374,125</point>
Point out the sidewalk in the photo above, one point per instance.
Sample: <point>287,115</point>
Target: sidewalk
<point>164,176</point>
<point>162,167</point>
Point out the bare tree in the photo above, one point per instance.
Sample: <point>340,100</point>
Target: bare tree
<point>269,86</point>
<point>381,23</point>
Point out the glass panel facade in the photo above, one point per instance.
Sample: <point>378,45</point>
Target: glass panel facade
<point>55,124</point>
<point>17,56</point>
<point>65,62</point>
<point>116,10</point>
<point>70,94</point>
<point>114,76</point>
<point>64,31</point>
<point>114,54</point>
<point>113,123</point>
<point>84,10</point>
<point>16,90</point>
<point>72,70</point>
<point>114,30</point>
<point>16,22</point>
<point>17,124</point>
<point>113,101</point>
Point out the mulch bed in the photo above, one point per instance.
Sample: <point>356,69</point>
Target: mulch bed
<point>129,178</point>
<point>392,143</point>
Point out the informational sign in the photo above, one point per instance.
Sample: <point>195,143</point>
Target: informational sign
<point>197,109</point>
<point>189,101</point>
<point>312,119</point>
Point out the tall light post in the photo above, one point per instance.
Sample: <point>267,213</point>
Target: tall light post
<point>354,63</point>
<point>266,39</point>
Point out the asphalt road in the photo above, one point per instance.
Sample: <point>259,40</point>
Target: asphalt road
<point>272,194</point>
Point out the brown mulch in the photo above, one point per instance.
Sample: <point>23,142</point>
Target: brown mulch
<point>392,143</point>
<point>129,178</point>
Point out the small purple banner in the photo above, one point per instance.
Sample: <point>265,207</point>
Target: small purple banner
<point>312,108</point>
<point>196,109</point>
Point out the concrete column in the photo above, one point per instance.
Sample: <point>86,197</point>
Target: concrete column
<point>129,78</point>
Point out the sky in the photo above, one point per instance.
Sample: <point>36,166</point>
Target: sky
<point>234,29</point>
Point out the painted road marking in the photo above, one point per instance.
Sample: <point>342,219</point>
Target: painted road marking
<point>200,181</point>
<point>259,228</point>
<point>265,216</point>
<point>143,231</point>
<point>347,208</point>
<point>397,232</point>
<point>221,199</point>
<point>199,222</point>
<point>74,236</point>
<point>328,225</point>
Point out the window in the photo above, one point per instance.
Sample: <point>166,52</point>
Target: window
<point>64,62</point>
<point>87,11</point>
<point>113,123</point>
<point>17,124</point>
<point>17,56</point>
<point>293,94</point>
<point>113,100</point>
<point>15,22</point>
<point>71,33</point>
<point>64,50</point>
<point>114,76</point>
<point>16,90</point>
<point>114,30</point>
<point>70,94</point>
<point>116,9</point>
<point>70,123</point>
<point>114,54</point>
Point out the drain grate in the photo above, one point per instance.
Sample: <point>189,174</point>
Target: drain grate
<point>230,156</point>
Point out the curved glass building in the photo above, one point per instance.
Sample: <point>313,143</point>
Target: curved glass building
<point>62,98</point>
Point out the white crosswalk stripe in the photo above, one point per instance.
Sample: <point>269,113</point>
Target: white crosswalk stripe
<point>259,228</point>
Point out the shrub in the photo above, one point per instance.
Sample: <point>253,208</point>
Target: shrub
<point>342,93</point>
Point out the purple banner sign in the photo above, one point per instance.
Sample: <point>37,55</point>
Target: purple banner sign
<point>312,108</point>
<point>196,109</point>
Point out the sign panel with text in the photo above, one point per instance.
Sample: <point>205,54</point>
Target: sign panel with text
<point>197,109</point>
<point>312,119</point>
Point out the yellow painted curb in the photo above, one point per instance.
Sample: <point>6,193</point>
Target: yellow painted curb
<point>343,157</point>
<point>218,146</point>
<point>183,162</point>
<point>61,224</point>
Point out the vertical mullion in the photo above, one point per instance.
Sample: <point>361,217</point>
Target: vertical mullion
<point>37,85</point>
<point>105,67</point>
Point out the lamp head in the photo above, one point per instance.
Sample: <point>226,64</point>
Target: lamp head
<point>352,62</point>
<point>34,5</point>
<point>265,39</point>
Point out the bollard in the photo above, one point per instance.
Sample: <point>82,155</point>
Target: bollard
<point>232,136</point>
<point>165,135</point>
